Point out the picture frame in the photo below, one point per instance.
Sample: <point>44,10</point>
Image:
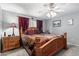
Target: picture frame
<point>70,21</point>
<point>57,23</point>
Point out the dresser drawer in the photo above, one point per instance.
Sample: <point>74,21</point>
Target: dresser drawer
<point>10,43</point>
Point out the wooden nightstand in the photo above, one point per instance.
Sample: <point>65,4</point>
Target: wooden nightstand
<point>9,43</point>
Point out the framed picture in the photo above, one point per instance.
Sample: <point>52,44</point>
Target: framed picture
<point>57,23</point>
<point>70,21</point>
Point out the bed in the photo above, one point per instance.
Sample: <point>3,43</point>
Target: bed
<point>40,44</point>
<point>44,44</point>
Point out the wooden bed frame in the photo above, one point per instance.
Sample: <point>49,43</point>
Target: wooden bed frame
<point>52,46</point>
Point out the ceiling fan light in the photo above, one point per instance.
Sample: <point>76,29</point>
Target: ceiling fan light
<point>53,14</point>
<point>48,15</point>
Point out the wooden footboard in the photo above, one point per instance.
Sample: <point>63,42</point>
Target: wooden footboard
<point>52,46</point>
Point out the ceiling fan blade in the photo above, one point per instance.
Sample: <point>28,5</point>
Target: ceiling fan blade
<point>59,10</point>
<point>56,8</point>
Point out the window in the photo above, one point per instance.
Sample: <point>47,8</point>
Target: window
<point>32,23</point>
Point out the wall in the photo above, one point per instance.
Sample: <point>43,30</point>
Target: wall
<point>11,17</point>
<point>72,30</point>
<point>46,25</point>
<point>0,22</point>
<point>0,26</point>
<point>8,19</point>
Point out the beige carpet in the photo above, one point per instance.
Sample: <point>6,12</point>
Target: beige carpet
<point>71,51</point>
<point>0,54</point>
<point>16,52</point>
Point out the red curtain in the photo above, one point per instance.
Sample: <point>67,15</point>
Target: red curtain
<point>40,25</point>
<point>23,23</point>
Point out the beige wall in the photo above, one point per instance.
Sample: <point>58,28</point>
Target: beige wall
<point>72,30</point>
<point>0,26</point>
<point>11,17</point>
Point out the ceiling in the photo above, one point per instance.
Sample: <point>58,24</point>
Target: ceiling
<point>39,9</point>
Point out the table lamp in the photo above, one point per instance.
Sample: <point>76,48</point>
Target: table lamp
<point>13,25</point>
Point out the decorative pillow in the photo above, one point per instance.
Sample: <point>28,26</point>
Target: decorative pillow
<point>32,30</point>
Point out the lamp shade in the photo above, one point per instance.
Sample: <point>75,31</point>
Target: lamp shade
<point>13,25</point>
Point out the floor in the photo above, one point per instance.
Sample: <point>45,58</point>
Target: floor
<point>0,54</point>
<point>71,51</point>
<point>16,52</point>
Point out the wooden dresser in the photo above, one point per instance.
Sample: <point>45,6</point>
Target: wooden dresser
<point>9,43</point>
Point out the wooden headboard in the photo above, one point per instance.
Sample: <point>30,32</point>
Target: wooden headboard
<point>30,31</point>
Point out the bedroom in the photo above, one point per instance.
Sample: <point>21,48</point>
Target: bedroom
<point>64,20</point>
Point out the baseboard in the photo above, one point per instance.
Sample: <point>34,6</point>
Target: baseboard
<point>73,44</point>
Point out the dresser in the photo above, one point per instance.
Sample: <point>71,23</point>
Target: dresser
<point>9,43</point>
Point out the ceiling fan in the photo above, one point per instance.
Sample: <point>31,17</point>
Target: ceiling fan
<point>52,9</point>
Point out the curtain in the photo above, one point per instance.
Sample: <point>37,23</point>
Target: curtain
<point>23,23</point>
<point>40,25</point>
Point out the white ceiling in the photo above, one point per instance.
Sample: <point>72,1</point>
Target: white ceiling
<point>39,9</point>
